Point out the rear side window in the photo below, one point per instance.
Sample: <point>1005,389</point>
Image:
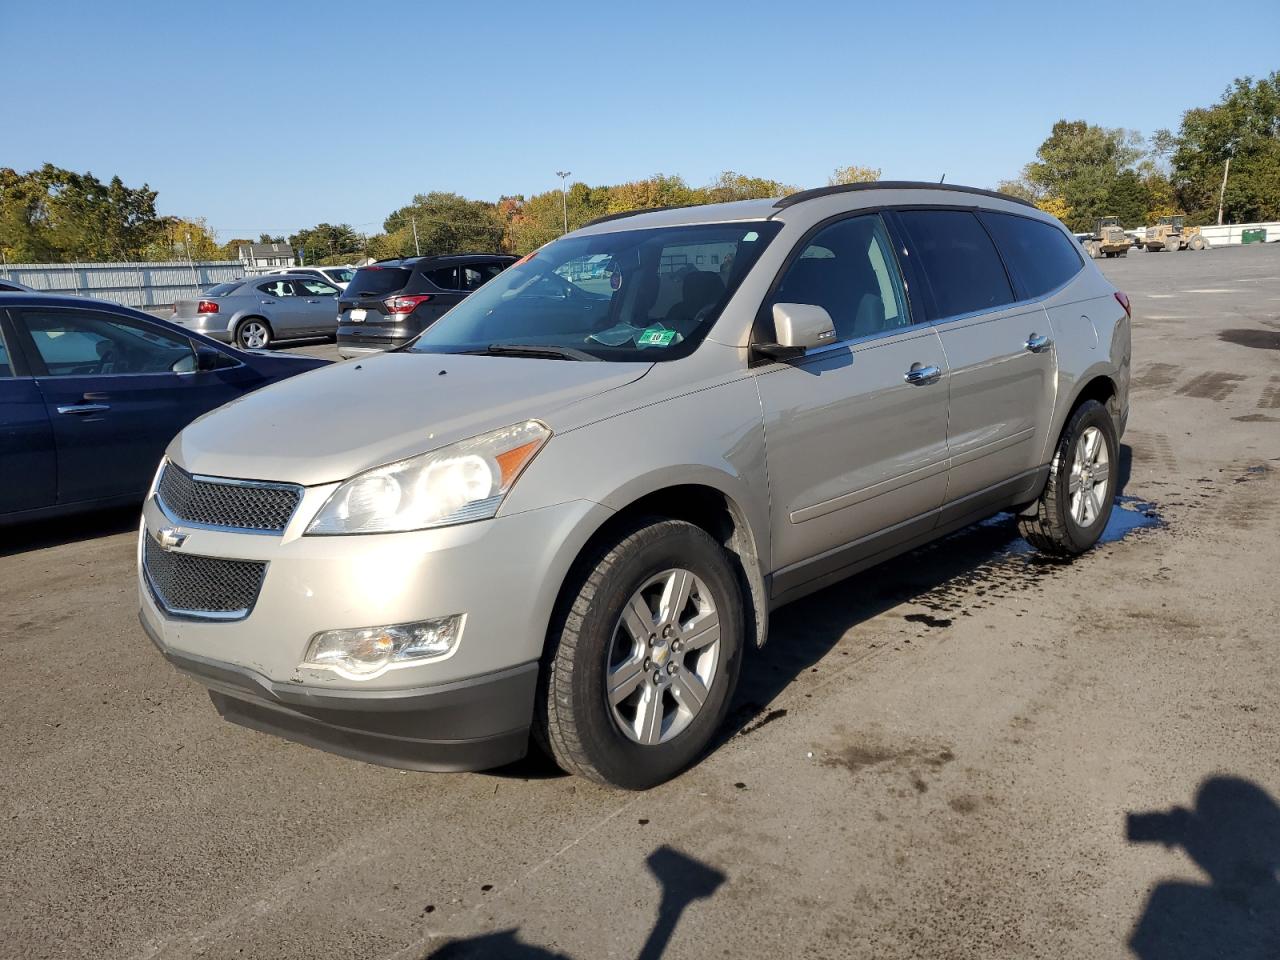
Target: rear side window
<point>446,278</point>
<point>1040,256</point>
<point>6,369</point>
<point>277,288</point>
<point>475,275</point>
<point>960,261</point>
<point>377,281</point>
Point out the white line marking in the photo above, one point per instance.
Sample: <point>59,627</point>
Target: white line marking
<point>1210,290</point>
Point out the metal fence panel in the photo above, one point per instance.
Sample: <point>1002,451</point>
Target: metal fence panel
<point>155,284</point>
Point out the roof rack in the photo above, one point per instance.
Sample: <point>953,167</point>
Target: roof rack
<point>794,198</point>
<point>635,213</point>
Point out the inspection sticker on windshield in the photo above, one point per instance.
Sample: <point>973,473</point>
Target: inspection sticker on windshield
<point>653,337</point>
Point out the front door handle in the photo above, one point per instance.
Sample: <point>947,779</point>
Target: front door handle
<point>313,301</point>
<point>83,409</point>
<point>1035,343</point>
<point>921,376</point>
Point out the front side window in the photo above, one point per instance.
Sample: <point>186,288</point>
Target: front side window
<point>1040,256</point>
<point>318,288</point>
<point>963,268</point>
<point>849,270</point>
<point>87,343</point>
<point>624,295</point>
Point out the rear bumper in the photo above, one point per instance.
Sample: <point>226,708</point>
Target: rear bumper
<point>472,724</point>
<point>361,338</point>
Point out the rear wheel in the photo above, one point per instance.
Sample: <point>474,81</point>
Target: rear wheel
<point>644,657</point>
<point>1076,503</point>
<point>253,333</point>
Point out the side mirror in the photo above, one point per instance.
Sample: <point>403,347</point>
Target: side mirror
<point>798,327</point>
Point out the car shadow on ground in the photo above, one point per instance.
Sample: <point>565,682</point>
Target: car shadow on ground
<point>682,880</point>
<point>991,555</point>
<point>1232,834</point>
<point>40,535</point>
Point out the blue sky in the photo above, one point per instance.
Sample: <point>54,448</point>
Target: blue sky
<point>269,116</point>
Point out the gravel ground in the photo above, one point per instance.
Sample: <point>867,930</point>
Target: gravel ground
<point>937,758</point>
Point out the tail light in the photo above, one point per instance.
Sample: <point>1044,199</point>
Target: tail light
<point>1123,300</point>
<point>206,306</point>
<point>406,304</point>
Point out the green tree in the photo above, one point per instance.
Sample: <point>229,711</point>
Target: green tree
<point>1089,170</point>
<point>327,243</point>
<point>445,223</point>
<point>60,215</point>
<point>1243,125</point>
<point>731,185</point>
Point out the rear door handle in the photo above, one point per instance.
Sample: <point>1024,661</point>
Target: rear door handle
<point>313,301</point>
<point>1035,343</point>
<point>83,409</point>
<point>269,302</point>
<point>922,376</point>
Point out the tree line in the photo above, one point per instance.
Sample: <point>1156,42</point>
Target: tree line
<point>1081,172</point>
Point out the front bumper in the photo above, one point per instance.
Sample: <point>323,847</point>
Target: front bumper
<point>471,724</point>
<point>467,710</point>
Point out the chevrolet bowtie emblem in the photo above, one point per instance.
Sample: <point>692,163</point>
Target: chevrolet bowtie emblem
<point>171,538</point>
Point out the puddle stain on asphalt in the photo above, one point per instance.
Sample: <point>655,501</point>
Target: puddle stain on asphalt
<point>1248,337</point>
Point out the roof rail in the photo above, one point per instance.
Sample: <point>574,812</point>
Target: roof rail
<point>794,198</point>
<point>632,213</point>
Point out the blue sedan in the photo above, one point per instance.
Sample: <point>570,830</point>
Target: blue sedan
<point>91,393</point>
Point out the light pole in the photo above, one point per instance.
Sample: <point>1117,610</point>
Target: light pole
<point>564,197</point>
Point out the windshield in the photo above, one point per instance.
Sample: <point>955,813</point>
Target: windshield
<point>631,295</point>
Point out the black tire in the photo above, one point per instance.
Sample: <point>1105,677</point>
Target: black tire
<point>1049,525</point>
<point>575,723</point>
<point>243,328</point>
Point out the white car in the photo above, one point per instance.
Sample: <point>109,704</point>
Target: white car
<point>339,276</point>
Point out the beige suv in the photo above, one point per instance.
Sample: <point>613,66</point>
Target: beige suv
<point>569,506</point>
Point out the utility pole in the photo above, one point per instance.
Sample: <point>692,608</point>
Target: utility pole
<point>564,196</point>
<point>1223,192</point>
<point>416,249</point>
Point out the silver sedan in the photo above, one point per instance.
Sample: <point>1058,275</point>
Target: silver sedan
<point>257,311</point>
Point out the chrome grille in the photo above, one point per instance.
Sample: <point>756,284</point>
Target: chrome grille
<point>211,588</point>
<point>217,502</point>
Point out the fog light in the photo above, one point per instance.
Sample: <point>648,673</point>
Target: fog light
<point>368,651</point>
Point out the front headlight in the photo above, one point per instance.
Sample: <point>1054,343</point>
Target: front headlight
<point>455,484</point>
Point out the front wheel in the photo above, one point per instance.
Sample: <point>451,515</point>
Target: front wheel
<point>643,658</point>
<point>1076,503</point>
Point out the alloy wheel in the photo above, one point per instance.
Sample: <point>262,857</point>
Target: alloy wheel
<point>663,657</point>
<point>1090,477</point>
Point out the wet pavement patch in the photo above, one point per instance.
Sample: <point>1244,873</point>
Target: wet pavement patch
<point>1259,339</point>
<point>1130,514</point>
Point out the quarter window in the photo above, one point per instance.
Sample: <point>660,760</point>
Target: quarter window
<point>86,343</point>
<point>963,268</point>
<point>446,278</point>
<point>848,268</point>
<point>1040,255</point>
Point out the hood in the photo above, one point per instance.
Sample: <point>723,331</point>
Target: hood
<point>330,424</point>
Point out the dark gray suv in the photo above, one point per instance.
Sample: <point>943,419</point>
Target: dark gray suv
<point>390,302</point>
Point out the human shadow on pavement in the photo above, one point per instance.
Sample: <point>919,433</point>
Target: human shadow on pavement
<point>1233,835</point>
<point>681,879</point>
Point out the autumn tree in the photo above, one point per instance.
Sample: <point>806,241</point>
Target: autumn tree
<point>853,174</point>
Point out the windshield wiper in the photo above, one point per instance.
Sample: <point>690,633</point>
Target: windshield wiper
<point>547,350</point>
